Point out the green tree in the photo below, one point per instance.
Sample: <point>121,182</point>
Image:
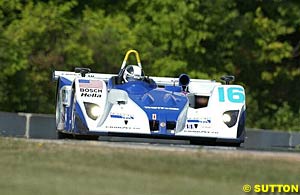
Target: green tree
<point>268,58</point>
<point>40,36</point>
<point>257,41</point>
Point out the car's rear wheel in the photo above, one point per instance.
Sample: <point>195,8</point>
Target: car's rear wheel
<point>62,135</point>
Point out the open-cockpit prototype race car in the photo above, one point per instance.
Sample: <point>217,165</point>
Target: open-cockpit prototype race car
<point>132,104</point>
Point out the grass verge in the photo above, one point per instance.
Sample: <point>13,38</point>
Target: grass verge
<point>30,168</point>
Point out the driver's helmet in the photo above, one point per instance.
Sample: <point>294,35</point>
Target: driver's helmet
<point>133,73</point>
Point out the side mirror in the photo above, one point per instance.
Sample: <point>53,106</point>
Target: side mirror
<point>227,79</point>
<point>82,71</point>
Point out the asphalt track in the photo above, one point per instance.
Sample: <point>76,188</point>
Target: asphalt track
<point>177,146</point>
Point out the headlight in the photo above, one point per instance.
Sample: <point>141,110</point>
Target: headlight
<point>92,110</point>
<point>230,117</point>
<point>226,118</point>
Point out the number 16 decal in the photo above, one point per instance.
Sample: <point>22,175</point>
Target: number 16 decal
<point>234,94</point>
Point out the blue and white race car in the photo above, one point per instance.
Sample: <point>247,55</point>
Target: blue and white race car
<point>132,104</point>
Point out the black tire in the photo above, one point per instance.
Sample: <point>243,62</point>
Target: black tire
<point>232,144</point>
<point>204,142</point>
<point>62,135</point>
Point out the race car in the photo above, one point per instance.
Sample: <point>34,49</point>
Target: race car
<point>132,104</point>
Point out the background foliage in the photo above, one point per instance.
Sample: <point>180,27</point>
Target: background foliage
<point>257,41</point>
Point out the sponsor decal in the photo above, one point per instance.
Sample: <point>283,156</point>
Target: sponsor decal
<point>90,95</point>
<point>154,117</point>
<point>198,123</point>
<point>200,131</point>
<point>200,120</point>
<point>122,127</point>
<point>121,116</point>
<point>163,124</point>
<point>160,108</point>
<point>125,117</point>
<point>83,83</point>
<point>90,92</point>
<point>67,74</point>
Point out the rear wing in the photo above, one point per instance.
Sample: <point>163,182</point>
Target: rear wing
<point>72,75</point>
<point>199,86</point>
